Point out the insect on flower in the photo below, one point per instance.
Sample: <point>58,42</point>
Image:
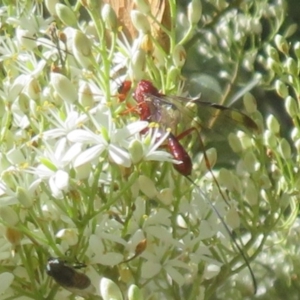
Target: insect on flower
<point>155,107</point>
<point>70,279</point>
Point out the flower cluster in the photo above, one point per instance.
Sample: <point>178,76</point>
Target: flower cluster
<point>84,180</point>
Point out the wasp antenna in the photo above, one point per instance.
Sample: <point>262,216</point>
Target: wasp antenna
<point>233,239</point>
<point>210,170</point>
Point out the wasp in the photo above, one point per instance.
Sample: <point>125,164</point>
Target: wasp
<point>152,106</point>
<point>67,277</point>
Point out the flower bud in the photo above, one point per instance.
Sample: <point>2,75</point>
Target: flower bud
<point>270,139</point>
<point>274,65</point>
<point>291,30</point>
<point>291,66</point>
<point>281,44</point>
<point>109,17</point>
<point>297,49</point>
<point>137,67</point>
<point>250,161</point>
<point>251,193</point>
<point>281,89</point>
<point>174,74</point>
<point>51,6</point>
<point>226,179</point>
<point>292,80</point>
<point>64,87</point>
<point>85,96</point>
<point>295,134</point>
<point>69,235</point>
<point>166,196</point>
<point>297,145</point>
<point>234,143</point>
<point>134,293</point>
<point>284,149</point>
<point>24,198</point>
<point>194,11</point>
<point>143,6</point>
<point>13,236</point>
<point>109,290</point>
<point>82,49</point>
<point>147,186</point>
<point>140,21</point>
<point>244,139</point>
<point>66,15</point>
<point>136,151</point>
<point>233,218</point>
<point>33,89</point>
<point>273,124</point>
<point>249,103</point>
<point>9,216</point>
<point>272,52</point>
<point>291,106</point>
<point>179,56</point>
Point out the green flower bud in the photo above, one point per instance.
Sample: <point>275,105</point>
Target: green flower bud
<point>134,293</point>
<point>24,198</point>
<point>179,56</point>
<point>140,21</point>
<point>166,196</point>
<point>64,87</point>
<point>270,139</point>
<point>81,44</point>
<point>293,80</point>
<point>281,44</point>
<point>284,149</point>
<point>249,103</point>
<point>273,124</point>
<point>281,89</point>
<point>291,66</point>
<point>68,235</point>
<point>147,186</point>
<point>15,156</point>
<point>297,49</point>
<point>8,215</point>
<point>274,65</point>
<point>194,11</point>
<point>226,179</point>
<point>136,151</point>
<point>272,53</point>
<point>233,218</point>
<point>251,193</point>
<point>251,163</point>
<point>143,6</point>
<point>85,95</point>
<point>137,66</point>
<point>234,143</point>
<point>51,6</point>
<point>33,89</point>
<point>295,134</point>
<point>82,49</point>
<point>66,15</point>
<point>291,106</point>
<point>297,145</point>
<point>291,30</point>
<point>13,236</point>
<point>109,17</point>
<point>109,290</point>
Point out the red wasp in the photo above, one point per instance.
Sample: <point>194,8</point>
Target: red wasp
<point>156,107</point>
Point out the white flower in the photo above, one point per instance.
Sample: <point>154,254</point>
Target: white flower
<point>110,139</point>
<point>55,166</point>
